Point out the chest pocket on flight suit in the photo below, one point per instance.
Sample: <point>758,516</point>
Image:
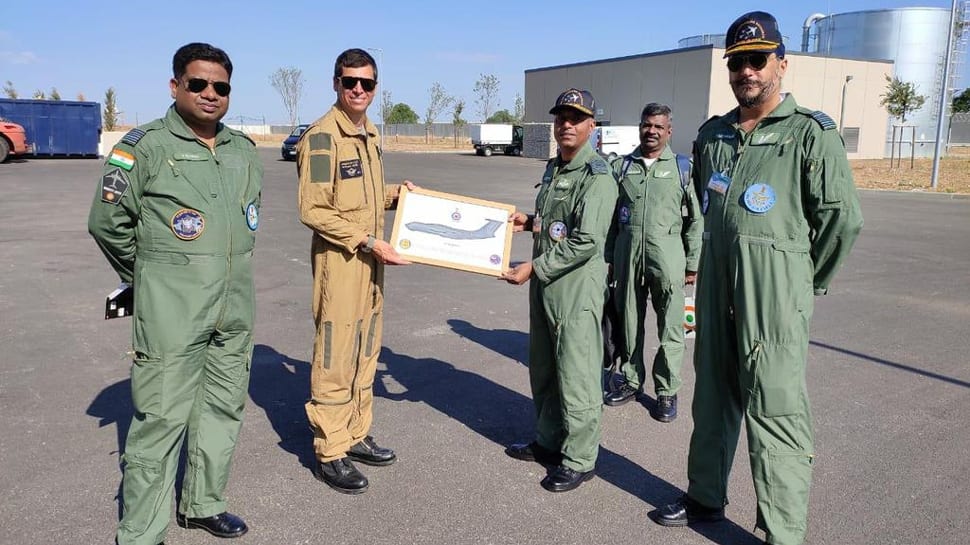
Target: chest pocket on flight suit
<point>349,191</point>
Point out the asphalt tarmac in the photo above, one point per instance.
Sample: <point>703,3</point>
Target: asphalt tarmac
<point>889,376</point>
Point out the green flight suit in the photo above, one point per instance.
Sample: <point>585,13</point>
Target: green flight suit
<point>574,209</point>
<point>178,221</point>
<point>780,213</point>
<point>654,248</point>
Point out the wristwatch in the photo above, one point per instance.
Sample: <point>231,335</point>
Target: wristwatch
<point>366,248</point>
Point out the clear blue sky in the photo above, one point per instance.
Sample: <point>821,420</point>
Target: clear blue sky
<point>88,46</point>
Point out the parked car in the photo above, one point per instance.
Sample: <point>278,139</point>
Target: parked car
<point>288,150</point>
<point>13,140</point>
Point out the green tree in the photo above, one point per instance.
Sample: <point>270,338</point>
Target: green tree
<point>438,100</point>
<point>288,82</point>
<point>401,114</point>
<point>519,111</point>
<point>487,90</point>
<point>39,95</point>
<point>901,98</point>
<point>502,116</point>
<point>9,90</point>
<point>961,102</point>
<point>456,120</point>
<point>55,95</point>
<point>111,113</point>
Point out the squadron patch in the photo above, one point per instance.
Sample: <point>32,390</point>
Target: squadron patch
<point>114,185</point>
<point>759,198</point>
<point>558,231</point>
<point>188,224</point>
<point>351,169</point>
<point>624,215</point>
<point>132,137</point>
<point>252,216</point>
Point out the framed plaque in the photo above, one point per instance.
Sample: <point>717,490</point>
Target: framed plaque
<point>453,231</point>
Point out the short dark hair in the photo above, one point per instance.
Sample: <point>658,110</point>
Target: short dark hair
<point>353,58</point>
<point>655,108</point>
<point>198,51</point>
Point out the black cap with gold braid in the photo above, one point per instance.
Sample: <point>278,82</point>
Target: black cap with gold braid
<point>754,32</point>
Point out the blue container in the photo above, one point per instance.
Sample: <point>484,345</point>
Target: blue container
<point>57,127</point>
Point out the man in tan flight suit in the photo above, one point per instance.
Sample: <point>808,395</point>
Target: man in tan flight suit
<point>342,199</point>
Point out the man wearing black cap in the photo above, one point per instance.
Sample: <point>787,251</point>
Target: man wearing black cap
<point>781,212</point>
<point>572,218</point>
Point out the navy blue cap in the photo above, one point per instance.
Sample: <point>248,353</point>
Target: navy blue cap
<point>754,32</point>
<point>581,101</point>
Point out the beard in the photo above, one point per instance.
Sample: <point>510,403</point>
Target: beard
<point>764,90</point>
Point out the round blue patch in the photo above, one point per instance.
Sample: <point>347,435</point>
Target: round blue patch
<point>624,214</point>
<point>558,231</point>
<point>252,216</point>
<point>759,198</point>
<point>188,224</point>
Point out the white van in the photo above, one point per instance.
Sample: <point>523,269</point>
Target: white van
<point>614,140</point>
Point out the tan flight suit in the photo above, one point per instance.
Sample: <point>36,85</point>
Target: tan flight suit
<point>343,198</point>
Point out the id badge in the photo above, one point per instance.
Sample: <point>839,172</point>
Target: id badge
<point>719,182</point>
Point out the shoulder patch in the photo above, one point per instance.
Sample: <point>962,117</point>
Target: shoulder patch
<point>133,136</point>
<point>320,141</point>
<point>114,185</point>
<point>599,166</point>
<point>708,122</point>
<point>823,119</point>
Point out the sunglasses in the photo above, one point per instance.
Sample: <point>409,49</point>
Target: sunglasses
<point>197,85</point>
<point>366,84</point>
<point>755,60</point>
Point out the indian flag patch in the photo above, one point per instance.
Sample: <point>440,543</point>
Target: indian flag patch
<point>121,159</point>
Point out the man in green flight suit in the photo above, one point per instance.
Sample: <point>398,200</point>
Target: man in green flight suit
<point>572,218</point>
<point>176,214</point>
<point>655,251</point>
<point>781,212</point>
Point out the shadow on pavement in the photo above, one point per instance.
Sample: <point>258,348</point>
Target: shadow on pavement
<point>113,405</point>
<point>511,344</point>
<point>280,385</point>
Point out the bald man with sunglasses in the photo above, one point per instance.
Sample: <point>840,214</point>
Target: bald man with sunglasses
<point>176,214</point>
<point>781,213</point>
<point>342,199</point>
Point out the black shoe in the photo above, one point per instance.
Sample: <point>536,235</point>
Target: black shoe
<point>621,395</point>
<point>564,479</point>
<point>687,511</point>
<point>221,525</point>
<point>534,452</point>
<point>367,452</point>
<point>666,409</point>
<point>341,475</point>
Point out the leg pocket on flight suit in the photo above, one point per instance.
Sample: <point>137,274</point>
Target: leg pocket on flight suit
<point>779,383</point>
<point>789,480</point>
<point>147,384</point>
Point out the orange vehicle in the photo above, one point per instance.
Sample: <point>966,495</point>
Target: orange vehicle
<point>13,140</point>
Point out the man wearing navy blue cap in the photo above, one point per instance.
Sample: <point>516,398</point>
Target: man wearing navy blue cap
<point>781,212</point>
<point>567,292</point>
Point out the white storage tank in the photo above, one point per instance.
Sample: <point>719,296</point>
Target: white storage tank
<point>914,38</point>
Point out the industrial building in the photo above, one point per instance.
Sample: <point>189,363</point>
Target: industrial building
<point>841,69</point>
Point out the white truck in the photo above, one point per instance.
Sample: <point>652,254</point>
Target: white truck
<point>614,140</point>
<point>489,138</point>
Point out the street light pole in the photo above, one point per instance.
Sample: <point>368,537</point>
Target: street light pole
<point>842,113</point>
<point>380,63</point>
<point>944,98</point>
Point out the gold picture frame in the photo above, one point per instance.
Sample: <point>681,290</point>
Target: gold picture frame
<point>453,231</point>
